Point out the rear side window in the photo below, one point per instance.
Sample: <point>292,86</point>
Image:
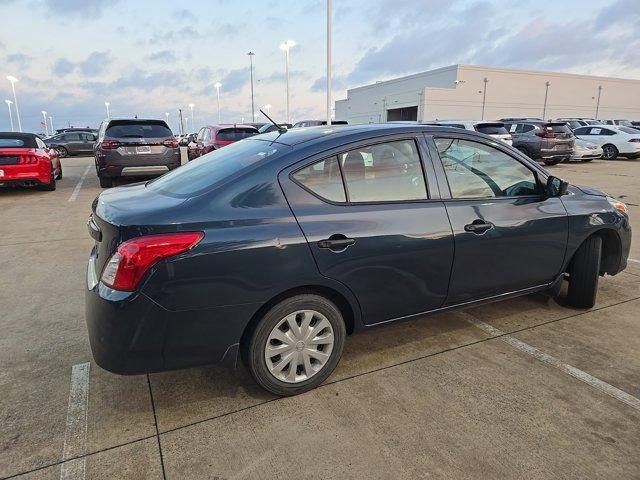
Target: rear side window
<point>138,130</point>
<point>234,134</point>
<point>582,131</point>
<point>491,129</point>
<point>215,168</point>
<point>633,131</point>
<point>475,170</point>
<point>323,178</point>
<point>528,128</point>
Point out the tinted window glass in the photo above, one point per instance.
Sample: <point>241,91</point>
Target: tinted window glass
<point>475,170</point>
<point>628,130</point>
<point>557,128</point>
<point>606,131</point>
<point>528,128</point>
<point>492,129</point>
<point>11,142</point>
<point>138,130</point>
<point>214,168</point>
<point>324,179</point>
<point>384,172</point>
<point>234,134</point>
<point>582,131</point>
<point>452,125</point>
<point>71,137</point>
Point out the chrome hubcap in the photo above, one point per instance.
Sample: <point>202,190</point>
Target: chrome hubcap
<point>299,346</point>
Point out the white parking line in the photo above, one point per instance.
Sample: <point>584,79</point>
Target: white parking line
<point>76,190</point>
<point>554,362</point>
<point>75,437</point>
<point>633,260</point>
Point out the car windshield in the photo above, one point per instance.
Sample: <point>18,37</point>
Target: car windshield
<point>138,130</point>
<point>11,142</point>
<point>215,168</point>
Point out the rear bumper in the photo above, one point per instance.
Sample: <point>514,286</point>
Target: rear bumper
<point>25,175</point>
<point>114,165</point>
<point>131,334</point>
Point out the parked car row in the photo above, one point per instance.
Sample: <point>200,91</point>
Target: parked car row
<point>25,160</point>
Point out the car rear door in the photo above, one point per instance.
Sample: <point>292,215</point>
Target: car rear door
<point>509,236</point>
<point>72,142</point>
<point>372,223</point>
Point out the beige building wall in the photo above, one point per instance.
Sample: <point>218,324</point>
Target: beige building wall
<point>456,92</point>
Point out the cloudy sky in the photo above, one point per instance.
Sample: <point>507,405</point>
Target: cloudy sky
<point>149,57</point>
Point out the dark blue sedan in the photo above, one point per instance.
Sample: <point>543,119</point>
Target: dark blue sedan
<point>278,246</point>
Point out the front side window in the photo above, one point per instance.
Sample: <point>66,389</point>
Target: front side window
<point>475,170</point>
<point>384,172</point>
<point>323,178</point>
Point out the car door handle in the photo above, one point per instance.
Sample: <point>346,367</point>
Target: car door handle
<point>478,226</point>
<point>336,242</point>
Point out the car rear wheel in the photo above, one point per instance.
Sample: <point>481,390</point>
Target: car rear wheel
<point>62,152</point>
<point>609,152</point>
<point>296,345</point>
<point>584,273</point>
<point>106,182</point>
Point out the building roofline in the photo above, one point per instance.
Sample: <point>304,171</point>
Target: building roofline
<point>406,77</point>
<point>544,72</point>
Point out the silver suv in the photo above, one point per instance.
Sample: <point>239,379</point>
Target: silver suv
<point>134,148</point>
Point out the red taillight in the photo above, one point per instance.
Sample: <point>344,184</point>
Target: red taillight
<point>28,159</point>
<point>170,143</point>
<point>135,257</point>
<point>109,144</point>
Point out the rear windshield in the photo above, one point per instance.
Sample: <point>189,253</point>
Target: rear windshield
<point>215,168</point>
<point>492,129</point>
<point>558,127</point>
<point>623,129</point>
<point>234,134</point>
<point>138,130</point>
<point>11,142</point>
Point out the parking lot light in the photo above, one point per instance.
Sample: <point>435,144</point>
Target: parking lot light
<point>44,117</point>
<point>13,81</point>
<point>9,102</point>
<point>546,95</point>
<point>251,55</point>
<point>218,85</point>
<point>267,107</point>
<point>286,46</point>
<point>191,107</point>
<point>166,116</point>
<point>51,124</point>
<point>598,102</point>
<point>106,104</point>
<point>484,95</point>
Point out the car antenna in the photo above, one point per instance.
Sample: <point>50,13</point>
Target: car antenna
<point>281,128</point>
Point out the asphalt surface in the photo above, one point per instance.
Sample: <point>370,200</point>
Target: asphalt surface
<point>525,388</point>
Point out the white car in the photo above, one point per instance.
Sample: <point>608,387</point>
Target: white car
<point>584,151</point>
<point>621,123</point>
<point>614,140</point>
<point>493,129</point>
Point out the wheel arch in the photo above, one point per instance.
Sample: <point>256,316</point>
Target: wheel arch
<point>347,309</point>
<point>611,250</point>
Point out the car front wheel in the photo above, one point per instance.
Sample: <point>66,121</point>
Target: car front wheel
<point>584,272</point>
<point>296,345</point>
<point>62,152</point>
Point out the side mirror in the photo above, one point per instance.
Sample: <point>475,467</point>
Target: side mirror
<point>556,187</point>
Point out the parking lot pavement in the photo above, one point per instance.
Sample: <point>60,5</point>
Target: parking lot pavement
<point>435,397</point>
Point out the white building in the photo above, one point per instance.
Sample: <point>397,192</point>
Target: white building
<point>462,92</point>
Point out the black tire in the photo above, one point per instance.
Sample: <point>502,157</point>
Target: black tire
<point>60,172</point>
<point>609,152</point>
<point>106,182</point>
<point>584,273</point>
<point>254,348</point>
<point>51,186</point>
<point>63,152</point>
<point>553,161</point>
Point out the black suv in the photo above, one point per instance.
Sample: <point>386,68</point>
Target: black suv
<point>134,148</point>
<point>548,142</point>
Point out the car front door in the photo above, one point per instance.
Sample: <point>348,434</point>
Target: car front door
<point>509,236</point>
<point>371,224</point>
<point>88,140</point>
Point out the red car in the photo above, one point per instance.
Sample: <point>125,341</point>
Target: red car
<point>26,161</point>
<point>212,137</point>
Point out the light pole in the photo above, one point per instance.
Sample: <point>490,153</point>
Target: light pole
<point>267,107</point>
<point>44,117</point>
<point>166,116</point>
<point>13,81</point>
<point>181,124</point>
<point>484,95</point>
<point>286,46</point>
<point>546,95</point>
<point>106,104</point>
<point>251,55</point>
<point>51,124</point>
<point>9,102</point>
<point>329,42</point>
<point>191,107</point>
<point>218,85</point>
<point>598,103</point>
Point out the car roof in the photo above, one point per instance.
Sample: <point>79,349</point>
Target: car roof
<point>220,126</point>
<point>297,136</point>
